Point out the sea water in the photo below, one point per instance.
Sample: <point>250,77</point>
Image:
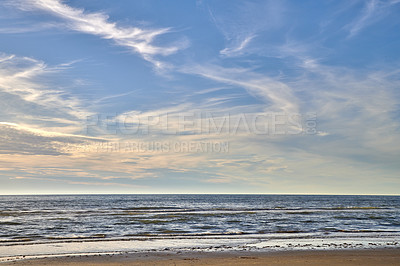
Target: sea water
<point>69,224</point>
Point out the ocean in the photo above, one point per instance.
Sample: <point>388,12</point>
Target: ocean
<point>69,224</point>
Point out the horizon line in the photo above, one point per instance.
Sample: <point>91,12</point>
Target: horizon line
<point>288,194</point>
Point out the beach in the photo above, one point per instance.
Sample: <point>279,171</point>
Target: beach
<point>374,257</point>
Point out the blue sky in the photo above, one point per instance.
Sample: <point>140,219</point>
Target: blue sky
<point>138,96</point>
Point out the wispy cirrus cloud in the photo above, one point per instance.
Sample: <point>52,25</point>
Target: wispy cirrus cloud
<point>19,139</point>
<point>97,23</point>
<point>277,95</point>
<point>347,110</point>
<point>28,95</point>
<point>27,28</point>
<point>235,50</point>
<point>67,181</point>
<point>373,11</point>
<point>240,23</point>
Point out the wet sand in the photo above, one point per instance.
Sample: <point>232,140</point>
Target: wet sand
<point>374,257</point>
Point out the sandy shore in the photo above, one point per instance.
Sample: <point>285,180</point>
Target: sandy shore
<point>338,257</point>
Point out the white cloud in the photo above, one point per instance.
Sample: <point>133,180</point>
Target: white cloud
<point>241,21</point>
<point>277,95</point>
<point>231,51</point>
<point>108,184</point>
<point>364,19</point>
<point>18,139</point>
<point>357,108</point>
<point>373,11</point>
<point>27,28</point>
<point>25,95</point>
<point>97,23</point>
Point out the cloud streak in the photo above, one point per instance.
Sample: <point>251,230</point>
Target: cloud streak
<point>17,139</point>
<point>240,22</point>
<point>373,11</point>
<point>96,23</point>
<point>26,96</point>
<point>231,51</point>
<point>276,94</point>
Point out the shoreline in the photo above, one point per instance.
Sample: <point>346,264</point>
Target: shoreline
<point>379,256</point>
<point>177,247</point>
<point>256,243</point>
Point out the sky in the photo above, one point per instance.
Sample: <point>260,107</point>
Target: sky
<point>199,96</point>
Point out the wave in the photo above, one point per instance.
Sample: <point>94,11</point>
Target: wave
<point>358,208</point>
<point>172,210</point>
<point>332,229</point>
<point>177,234</point>
<point>10,223</point>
